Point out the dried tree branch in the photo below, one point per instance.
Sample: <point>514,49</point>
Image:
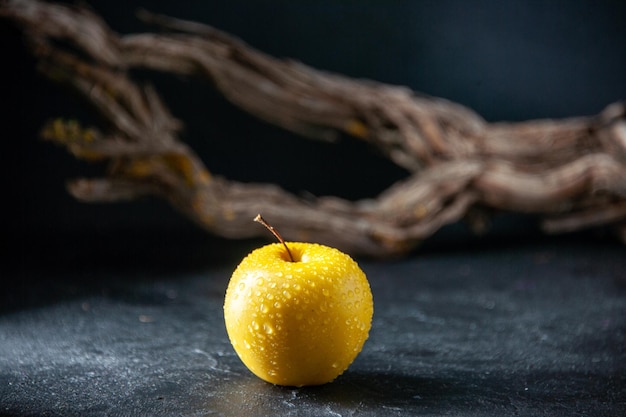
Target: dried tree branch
<point>571,171</point>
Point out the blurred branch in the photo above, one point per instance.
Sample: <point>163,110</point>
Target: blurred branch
<point>570,171</point>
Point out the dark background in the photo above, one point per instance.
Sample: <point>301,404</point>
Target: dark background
<point>512,60</point>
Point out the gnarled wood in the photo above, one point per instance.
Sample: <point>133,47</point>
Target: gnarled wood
<point>571,171</point>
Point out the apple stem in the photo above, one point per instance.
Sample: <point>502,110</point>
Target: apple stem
<point>269,227</point>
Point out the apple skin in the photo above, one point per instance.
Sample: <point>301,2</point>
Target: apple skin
<point>298,323</point>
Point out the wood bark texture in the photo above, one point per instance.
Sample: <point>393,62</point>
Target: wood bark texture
<point>570,172</point>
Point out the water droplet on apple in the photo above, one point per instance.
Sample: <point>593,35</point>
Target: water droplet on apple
<point>325,292</point>
<point>241,286</point>
<point>263,308</point>
<point>287,294</point>
<point>246,344</point>
<point>255,325</point>
<point>335,365</point>
<point>260,282</point>
<point>268,328</point>
<point>277,305</point>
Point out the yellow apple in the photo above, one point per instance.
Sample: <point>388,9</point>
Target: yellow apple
<point>298,322</point>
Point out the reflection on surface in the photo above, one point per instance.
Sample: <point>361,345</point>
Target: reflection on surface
<point>353,392</point>
<point>392,394</point>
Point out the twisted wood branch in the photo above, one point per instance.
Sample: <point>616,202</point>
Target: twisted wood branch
<point>571,171</point>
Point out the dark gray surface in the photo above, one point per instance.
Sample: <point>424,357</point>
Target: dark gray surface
<point>530,330</point>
